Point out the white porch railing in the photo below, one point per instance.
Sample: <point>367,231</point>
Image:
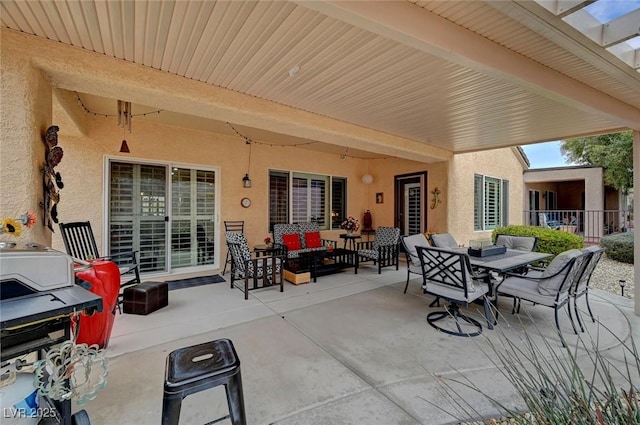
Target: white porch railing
<point>591,225</point>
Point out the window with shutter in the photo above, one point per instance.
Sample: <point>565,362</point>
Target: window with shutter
<point>139,205</point>
<point>309,197</point>
<point>491,202</point>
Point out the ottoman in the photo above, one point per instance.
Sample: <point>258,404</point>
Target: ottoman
<point>145,297</point>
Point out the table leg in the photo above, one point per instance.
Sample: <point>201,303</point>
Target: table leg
<point>314,268</point>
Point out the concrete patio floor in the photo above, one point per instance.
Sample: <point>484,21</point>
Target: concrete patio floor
<point>348,349</point>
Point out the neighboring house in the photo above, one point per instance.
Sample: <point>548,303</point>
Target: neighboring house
<point>576,198</point>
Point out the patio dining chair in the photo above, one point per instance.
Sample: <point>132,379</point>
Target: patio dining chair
<point>582,287</point>
<point>80,243</point>
<point>263,271</point>
<point>550,287</point>
<point>383,251</point>
<point>410,242</point>
<point>444,240</point>
<point>448,275</point>
<point>519,243</point>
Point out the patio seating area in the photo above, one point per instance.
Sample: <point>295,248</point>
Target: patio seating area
<point>348,349</point>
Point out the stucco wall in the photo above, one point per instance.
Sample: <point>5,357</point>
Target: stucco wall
<point>83,171</point>
<point>500,163</point>
<point>25,96</point>
<point>592,177</point>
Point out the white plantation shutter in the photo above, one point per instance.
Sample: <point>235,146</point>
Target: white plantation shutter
<point>478,206</point>
<point>414,210</point>
<point>318,204</point>
<point>299,200</point>
<point>309,197</point>
<point>139,208</point>
<point>491,202</point>
<point>492,198</point>
<point>278,198</point>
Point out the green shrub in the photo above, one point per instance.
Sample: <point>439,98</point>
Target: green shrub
<point>619,246</point>
<point>549,240</point>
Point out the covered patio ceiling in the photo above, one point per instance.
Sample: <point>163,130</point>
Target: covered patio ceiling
<point>459,76</point>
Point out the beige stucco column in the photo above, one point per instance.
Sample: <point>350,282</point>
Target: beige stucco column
<point>26,113</point>
<point>636,208</point>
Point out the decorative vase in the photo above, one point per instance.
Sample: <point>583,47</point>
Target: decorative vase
<point>349,232</point>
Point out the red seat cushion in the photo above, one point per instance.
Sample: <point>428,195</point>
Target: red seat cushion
<point>291,241</point>
<point>312,240</point>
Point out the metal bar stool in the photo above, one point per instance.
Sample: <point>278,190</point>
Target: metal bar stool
<point>197,368</point>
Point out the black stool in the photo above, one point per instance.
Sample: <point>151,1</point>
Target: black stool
<point>197,368</point>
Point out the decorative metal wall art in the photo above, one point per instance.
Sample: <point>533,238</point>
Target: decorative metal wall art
<point>435,200</point>
<point>51,180</point>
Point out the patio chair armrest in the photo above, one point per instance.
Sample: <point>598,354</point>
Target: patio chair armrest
<point>364,245</point>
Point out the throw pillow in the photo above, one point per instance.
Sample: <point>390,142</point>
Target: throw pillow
<point>312,240</point>
<point>291,241</point>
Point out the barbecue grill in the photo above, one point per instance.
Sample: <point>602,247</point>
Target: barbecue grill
<point>38,297</point>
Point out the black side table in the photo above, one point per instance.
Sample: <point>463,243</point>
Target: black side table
<point>350,239</point>
<point>368,232</point>
<point>261,250</point>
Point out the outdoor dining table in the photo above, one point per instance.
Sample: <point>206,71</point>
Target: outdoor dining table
<point>508,261</point>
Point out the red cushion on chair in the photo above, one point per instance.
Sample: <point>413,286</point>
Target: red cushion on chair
<point>312,240</point>
<point>291,241</point>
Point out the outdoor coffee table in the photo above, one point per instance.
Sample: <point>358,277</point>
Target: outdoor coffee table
<point>325,262</point>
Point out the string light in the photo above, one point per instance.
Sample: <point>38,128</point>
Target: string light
<point>293,145</point>
<point>245,138</point>
<point>95,114</point>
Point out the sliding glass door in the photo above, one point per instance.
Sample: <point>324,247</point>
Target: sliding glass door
<point>165,213</point>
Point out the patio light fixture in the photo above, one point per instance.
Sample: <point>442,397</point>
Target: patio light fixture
<point>246,181</point>
<point>367,179</point>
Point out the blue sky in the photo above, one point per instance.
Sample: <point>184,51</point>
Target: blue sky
<point>607,10</point>
<point>545,155</point>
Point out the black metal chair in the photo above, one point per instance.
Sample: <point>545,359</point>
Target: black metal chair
<point>232,226</point>
<point>448,275</point>
<point>80,243</point>
<point>262,271</point>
